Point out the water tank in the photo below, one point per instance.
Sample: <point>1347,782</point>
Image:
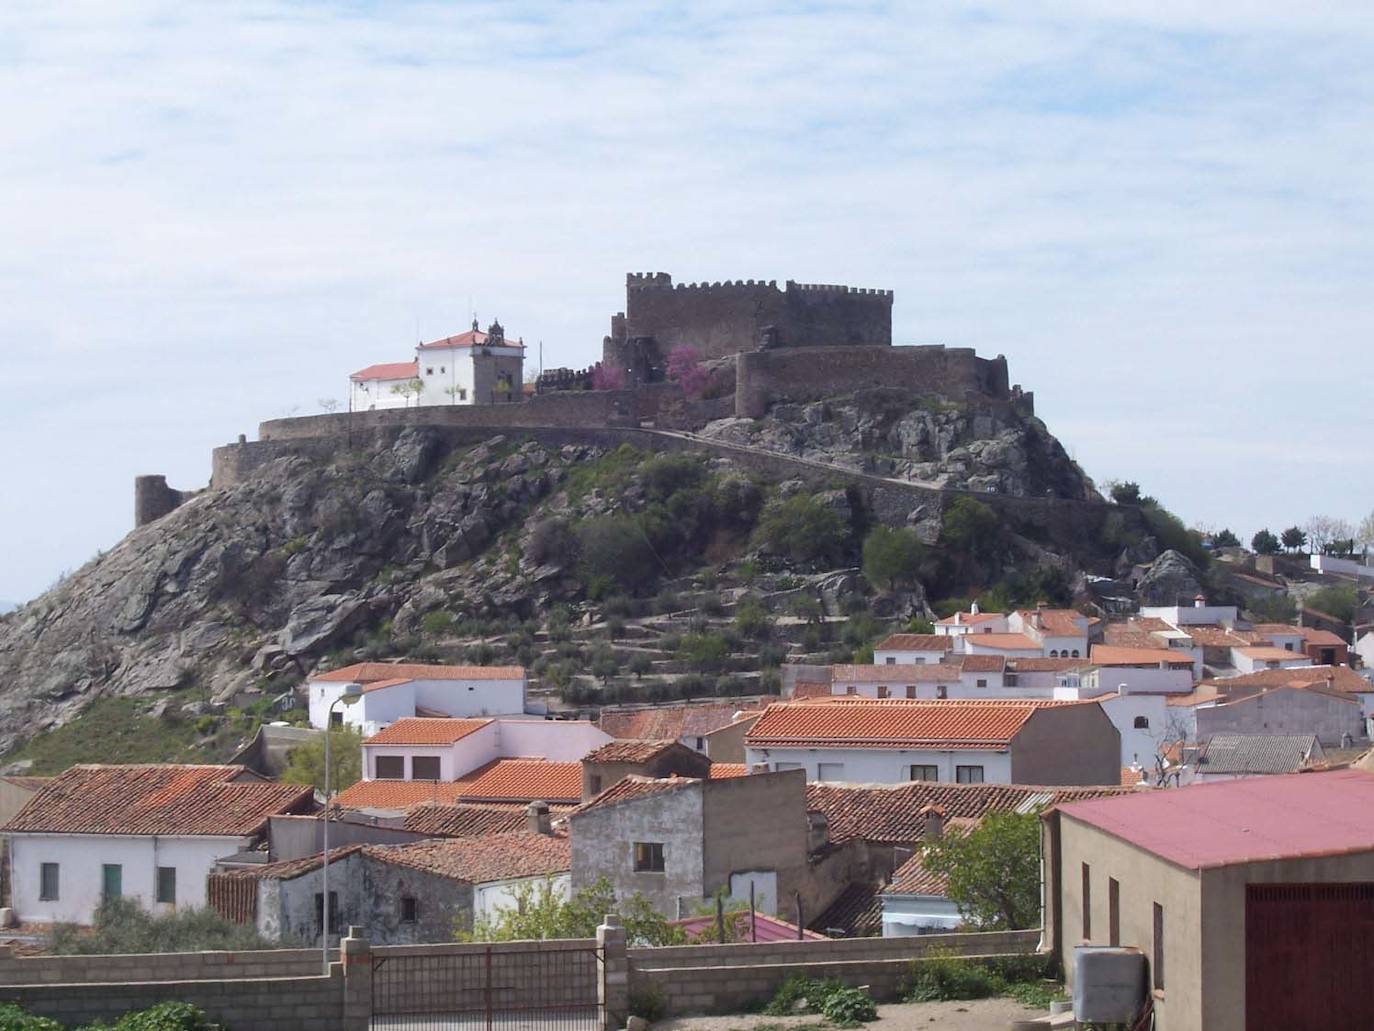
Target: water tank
<point>1108,984</point>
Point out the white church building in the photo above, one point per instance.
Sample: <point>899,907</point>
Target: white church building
<point>472,368</point>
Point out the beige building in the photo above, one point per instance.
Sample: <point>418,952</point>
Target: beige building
<point>1252,900</point>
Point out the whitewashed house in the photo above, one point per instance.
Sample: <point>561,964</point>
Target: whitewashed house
<point>447,749</point>
<point>912,649</point>
<point>393,691</point>
<point>915,901</point>
<point>1259,657</point>
<point>975,621</point>
<point>472,368</point>
<point>1060,633</point>
<point>152,833</point>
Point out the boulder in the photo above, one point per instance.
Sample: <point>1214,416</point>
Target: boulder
<point>1170,580</point>
<point>318,623</point>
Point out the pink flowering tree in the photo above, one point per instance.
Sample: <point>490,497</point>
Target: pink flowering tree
<point>607,377</point>
<point>685,369</point>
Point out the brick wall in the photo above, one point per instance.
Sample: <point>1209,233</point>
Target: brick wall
<point>732,978</point>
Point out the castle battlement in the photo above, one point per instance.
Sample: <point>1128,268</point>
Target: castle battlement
<point>832,288</point>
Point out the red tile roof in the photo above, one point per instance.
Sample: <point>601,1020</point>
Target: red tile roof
<point>964,723</point>
<point>1107,655</point>
<point>1126,637</point>
<point>898,673</point>
<point>912,878</point>
<point>762,928</point>
<point>981,663</point>
<point>473,860</point>
<point>1267,652</point>
<point>157,799</point>
<point>1005,642</point>
<point>915,643</point>
<point>635,787</point>
<point>421,730</point>
<point>891,814</point>
<point>397,794</point>
<point>388,370</point>
<point>968,618</point>
<point>371,672</point>
<point>522,780</point>
<point>668,721</point>
<point>803,689</point>
<point>1056,622</point>
<point>1282,816</point>
<point>630,751</point>
<point>1342,679</point>
<point>1311,635</point>
<point>472,338</point>
<point>463,821</point>
<point>727,771</point>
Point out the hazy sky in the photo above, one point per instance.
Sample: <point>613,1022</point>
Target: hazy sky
<point>212,213</point>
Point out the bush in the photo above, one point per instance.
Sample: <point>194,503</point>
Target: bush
<point>704,652</point>
<point>12,1018</point>
<point>614,549</point>
<point>437,622</point>
<point>801,529</point>
<point>166,1016</point>
<point>648,1003</point>
<point>843,1006</point>
<point>942,975</point>
<point>892,557</point>
<point>849,1007</point>
<point>124,927</point>
<point>752,619</point>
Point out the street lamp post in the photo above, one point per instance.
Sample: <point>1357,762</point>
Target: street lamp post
<point>350,695</point>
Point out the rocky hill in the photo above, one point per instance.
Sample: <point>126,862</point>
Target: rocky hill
<point>612,572</point>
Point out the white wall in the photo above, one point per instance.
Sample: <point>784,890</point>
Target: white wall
<point>1064,647</point>
<point>471,697</point>
<point>972,646</point>
<point>1138,744</point>
<point>376,394</point>
<point>884,765</point>
<point>1181,615</point>
<point>82,856</point>
<point>1152,680</point>
<point>447,375</point>
<point>905,916</point>
<point>765,884</point>
<point>489,897</point>
<point>555,740</point>
<point>1329,564</point>
<point>1249,664</point>
<point>909,658</point>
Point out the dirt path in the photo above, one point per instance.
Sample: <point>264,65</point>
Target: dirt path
<point>975,1015</point>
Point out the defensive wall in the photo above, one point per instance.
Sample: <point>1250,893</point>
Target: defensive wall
<point>285,990</point>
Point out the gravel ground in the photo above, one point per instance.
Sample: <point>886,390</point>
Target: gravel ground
<point>974,1015</point>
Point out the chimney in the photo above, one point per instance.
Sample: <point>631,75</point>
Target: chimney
<point>1035,616</point>
<point>817,830</point>
<point>1199,602</point>
<point>1122,689</point>
<point>974,607</point>
<point>537,818</point>
<point>934,819</point>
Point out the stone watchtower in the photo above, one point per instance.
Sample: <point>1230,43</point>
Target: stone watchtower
<point>718,320</point>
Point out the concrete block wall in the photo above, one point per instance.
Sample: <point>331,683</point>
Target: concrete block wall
<point>732,978</point>
<point>172,966</point>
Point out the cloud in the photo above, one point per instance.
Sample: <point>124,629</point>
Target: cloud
<point>1160,214</point>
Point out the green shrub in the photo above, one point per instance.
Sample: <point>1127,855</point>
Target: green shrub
<point>124,927</point>
<point>704,652</point>
<point>166,1016</point>
<point>802,529</point>
<point>843,1006</point>
<point>12,1018</point>
<point>849,1007</point>
<point>648,1003</point>
<point>941,975</point>
<point>437,622</point>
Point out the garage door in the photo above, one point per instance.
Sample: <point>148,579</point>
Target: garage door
<point>1309,949</point>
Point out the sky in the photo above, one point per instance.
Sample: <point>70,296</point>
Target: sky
<point>1159,211</point>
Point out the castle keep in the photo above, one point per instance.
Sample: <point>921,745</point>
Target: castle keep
<point>718,320</point>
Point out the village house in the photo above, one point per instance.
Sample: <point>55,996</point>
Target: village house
<point>912,649</point>
<point>399,894</point>
<point>974,621</point>
<point>611,763</point>
<point>510,782</point>
<point>393,691</point>
<point>472,368</point>
<point>1252,901</point>
<point>678,841</point>
<point>1232,756</point>
<point>710,728</point>
<point>147,832</point>
<point>967,741</point>
<point>1334,718</point>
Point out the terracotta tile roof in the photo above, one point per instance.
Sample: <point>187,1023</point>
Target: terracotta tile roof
<point>765,928</point>
<point>1266,652</point>
<point>912,878</point>
<point>1278,629</point>
<point>472,338</point>
<point>629,751</point>
<point>965,723</point>
<point>388,370</point>
<point>420,730</point>
<point>522,780</point>
<point>1342,679</point>
<point>635,787</point>
<point>891,814</point>
<point>1214,637</point>
<point>1107,655</point>
<point>1151,623</point>
<point>157,799</point>
<point>857,913</point>
<point>668,721</point>
<point>1124,637</point>
<point>727,771</point>
<point>1056,622</point>
<point>968,618</point>
<point>397,794</point>
<point>981,663</point>
<point>1311,635</point>
<point>289,869</point>
<point>915,643</point>
<point>1005,642</point>
<point>371,672</point>
<point>1039,664</point>
<point>382,685</point>
<point>809,690</point>
<point>463,821</point>
<point>496,857</point>
<point>898,673</point>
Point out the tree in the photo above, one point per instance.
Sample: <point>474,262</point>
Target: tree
<point>409,388</point>
<point>305,763</point>
<point>607,377</point>
<point>641,664</point>
<point>1338,602</point>
<point>993,871</point>
<point>1127,492</point>
<point>541,911</point>
<point>615,548</point>
<point>1327,533</point>
<point>892,556</point>
<point>1364,536</point>
<point>1224,538</point>
<point>802,529</point>
<point>752,619</point>
<point>970,527</point>
<point>329,404</point>
<point>685,369</point>
<point>1264,543</point>
<point>1293,539</point>
<point>705,653</point>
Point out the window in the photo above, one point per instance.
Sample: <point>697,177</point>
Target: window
<point>167,884</point>
<point>594,783</point>
<point>49,877</point>
<point>1054,653</point>
<point>1075,653</point>
<point>1113,912</point>
<point>1141,723</point>
<point>982,681</point>
<point>1087,903</point>
<point>968,774</point>
<point>333,913</point>
<point>429,371</point>
<point>851,689</point>
<point>830,771</point>
<point>111,881</point>
<point>424,767</point>
<point>391,767</point>
<point>410,909</point>
<point>701,744</point>
<point>882,690</point>
<point>1288,647</point>
<point>941,691</point>
<point>1158,964</point>
<point>462,394</point>
<point>779,767</point>
<point>336,719</point>
<point>911,690</point>
<point>891,660</point>
<point>442,369</point>
<point>925,772</point>
<point>649,856</point>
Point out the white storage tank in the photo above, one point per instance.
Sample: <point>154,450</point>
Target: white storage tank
<point>1109,984</point>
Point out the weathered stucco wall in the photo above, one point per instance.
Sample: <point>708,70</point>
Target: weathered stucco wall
<point>756,824</point>
<point>1069,744</point>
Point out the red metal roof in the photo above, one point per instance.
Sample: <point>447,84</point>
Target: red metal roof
<point>1285,816</point>
<point>388,370</point>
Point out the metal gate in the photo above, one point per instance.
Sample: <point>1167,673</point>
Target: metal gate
<point>1308,952</point>
<point>551,986</point>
